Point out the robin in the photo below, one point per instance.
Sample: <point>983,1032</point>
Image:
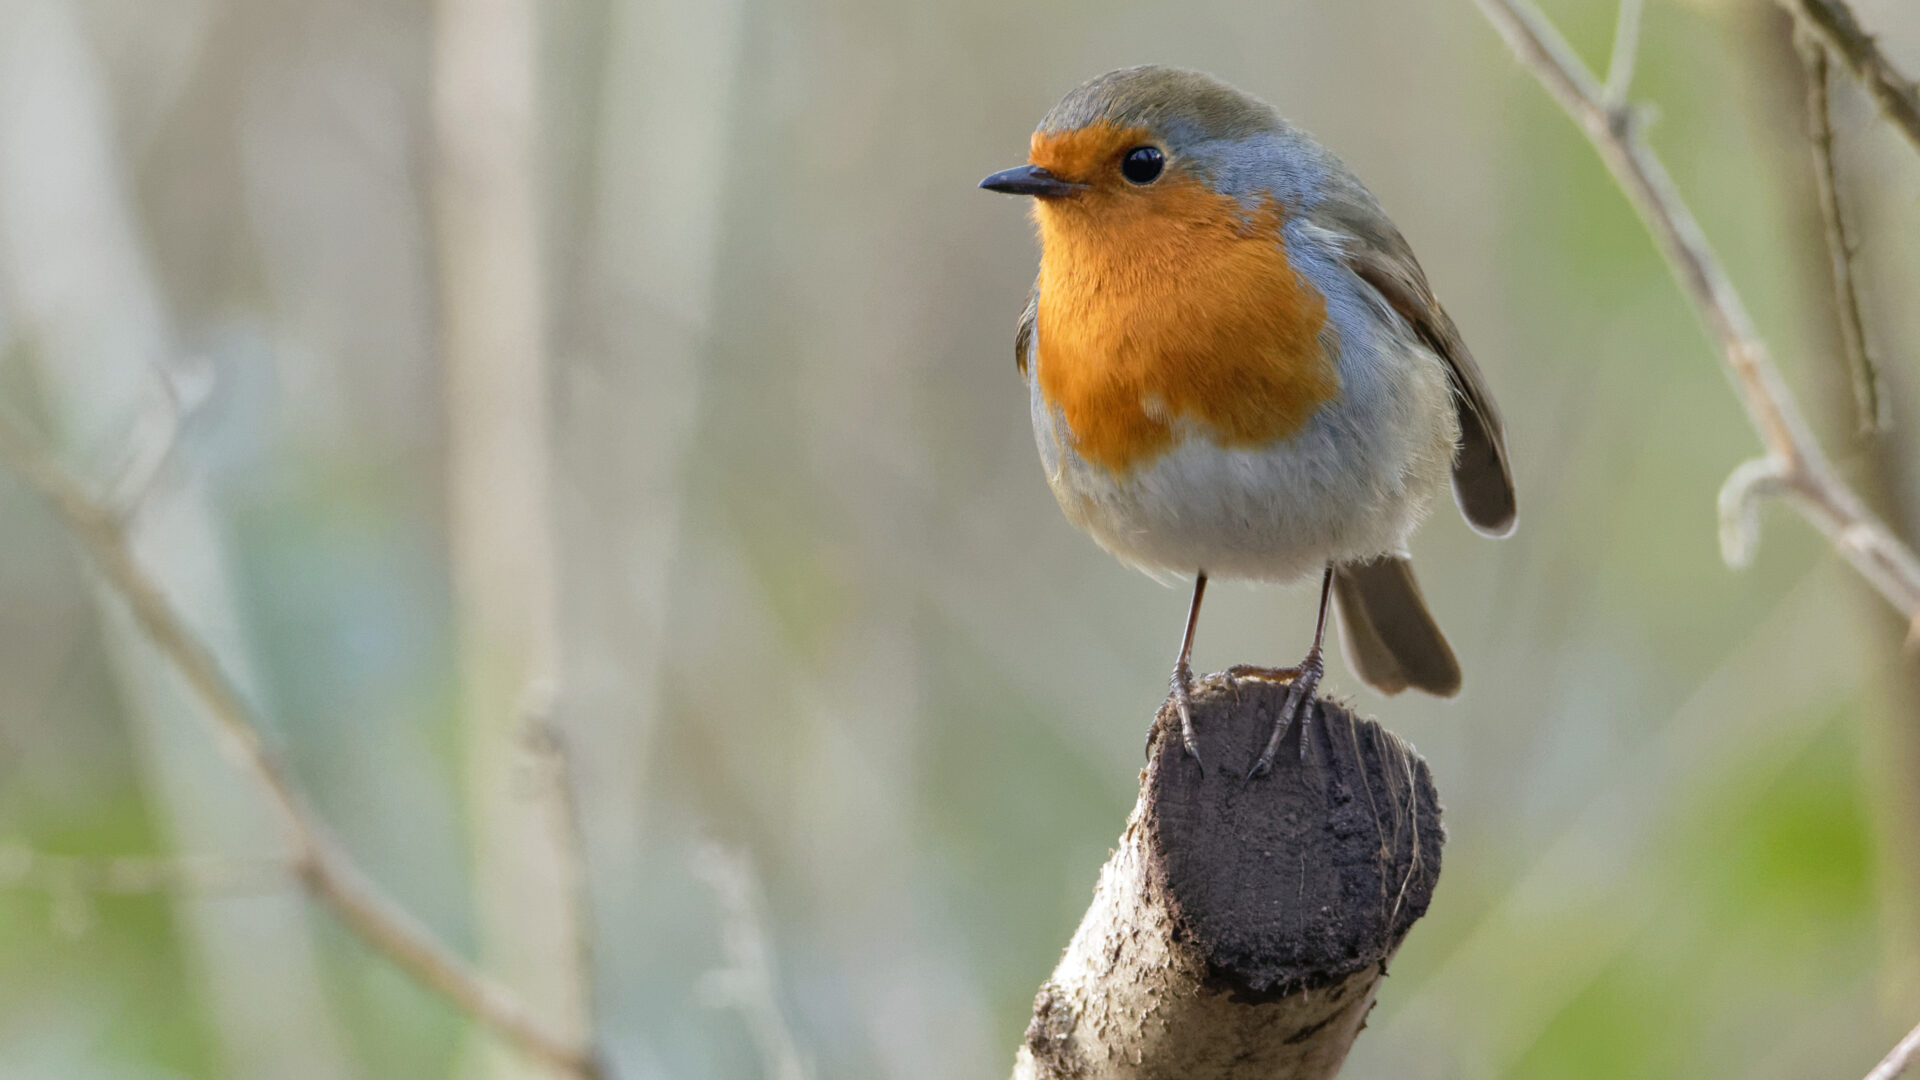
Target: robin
<point>1236,369</point>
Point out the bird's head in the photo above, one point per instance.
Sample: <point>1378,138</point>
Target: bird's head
<point>1143,146</point>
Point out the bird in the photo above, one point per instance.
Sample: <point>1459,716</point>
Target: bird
<point>1236,368</point>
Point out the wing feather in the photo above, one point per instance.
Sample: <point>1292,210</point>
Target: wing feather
<point>1023,337</point>
<point>1379,256</point>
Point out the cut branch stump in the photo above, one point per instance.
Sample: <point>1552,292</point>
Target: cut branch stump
<point>1243,926</point>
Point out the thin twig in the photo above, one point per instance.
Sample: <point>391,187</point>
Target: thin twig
<point>147,455</point>
<point>72,883</point>
<point>1805,477</point>
<point>1902,1055</point>
<point>1626,49</point>
<point>1834,22</point>
<point>545,740</point>
<point>22,867</point>
<point>747,982</point>
<point>1862,370</point>
<point>318,862</point>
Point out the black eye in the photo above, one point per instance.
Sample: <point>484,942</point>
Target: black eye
<point>1142,164</point>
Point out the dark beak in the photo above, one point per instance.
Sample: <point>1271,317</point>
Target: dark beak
<point>1030,180</point>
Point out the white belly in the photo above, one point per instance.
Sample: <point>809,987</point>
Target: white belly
<point>1352,484</point>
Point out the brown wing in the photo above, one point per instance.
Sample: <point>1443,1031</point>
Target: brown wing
<point>1482,481</point>
<point>1023,337</point>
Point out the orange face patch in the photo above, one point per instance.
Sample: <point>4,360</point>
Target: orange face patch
<point>1168,303</point>
<point>1084,154</point>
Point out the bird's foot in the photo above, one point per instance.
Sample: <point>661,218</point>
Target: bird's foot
<point>1305,680</point>
<point>1182,683</point>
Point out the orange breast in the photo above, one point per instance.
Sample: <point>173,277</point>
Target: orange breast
<point>1166,304</point>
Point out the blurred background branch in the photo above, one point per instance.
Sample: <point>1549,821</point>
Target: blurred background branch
<point>1899,1058</point>
<point>90,321</point>
<point>1796,467</point>
<point>745,982</point>
<point>1862,370</point>
<point>1626,50</point>
<point>1834,23</point>
<point>319,863</point>
<point>493,339</point>
<point>22,867</point>
<point>73,884</point>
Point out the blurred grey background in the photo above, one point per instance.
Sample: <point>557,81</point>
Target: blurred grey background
<point>836,677</point>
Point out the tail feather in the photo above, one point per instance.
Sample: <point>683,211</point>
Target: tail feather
<point>1391,639</point>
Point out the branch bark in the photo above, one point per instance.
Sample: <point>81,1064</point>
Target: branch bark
<point>1626,49</point>
<point>1834,23</point>
<point>325,870</point>
<point>1795,467</point>
<point>1863,372</point>
<point>1243,927</point>
<point>1902,1055</point>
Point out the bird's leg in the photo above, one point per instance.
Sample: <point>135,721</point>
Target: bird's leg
<point>1183,675</point>
<point>1306,680</point>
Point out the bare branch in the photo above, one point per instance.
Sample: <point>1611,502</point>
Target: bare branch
<point>1626,48</point>
<point>22,867</point>
<point>1807,479</point>
<point>319,863</point>
<point>181,387</point>
<point>147,453</point>
<point>1834,23</point>
<point>552,755</point>
<point>71,883</point>
<point>1902,1055</point>
<point>1862,370</point>
<point>746,983</point>
<point>1740,508</point>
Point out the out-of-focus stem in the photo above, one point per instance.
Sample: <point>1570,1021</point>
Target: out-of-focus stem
<point>85,310</point>
<point>318,861</point>
<point>1805,478</point>
<point>1902,1055</point>
<point>1861,369</point>
<point>1834,23</point>
<point>493,331</point>
<point>1777,51</point>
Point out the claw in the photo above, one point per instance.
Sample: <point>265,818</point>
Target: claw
<point>1183,674</point>
<point>1298,707</point>
<point>1183,702</point>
